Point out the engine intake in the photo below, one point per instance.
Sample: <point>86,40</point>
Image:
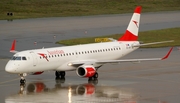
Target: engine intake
<point>85,71</point>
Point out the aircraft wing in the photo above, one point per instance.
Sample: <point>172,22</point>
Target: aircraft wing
<point>77,63</point>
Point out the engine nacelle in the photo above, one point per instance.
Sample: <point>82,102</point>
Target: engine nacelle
<point>37,73</point>
<point>86,71</point>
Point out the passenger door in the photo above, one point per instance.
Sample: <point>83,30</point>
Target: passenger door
<point>34,57</point>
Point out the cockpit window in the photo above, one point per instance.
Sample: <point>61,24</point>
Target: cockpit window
<point>24,58</point>
<point>18,58</point>
<point>13,58</point>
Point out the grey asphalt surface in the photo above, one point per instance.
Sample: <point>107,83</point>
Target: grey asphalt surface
<point>147,82</point>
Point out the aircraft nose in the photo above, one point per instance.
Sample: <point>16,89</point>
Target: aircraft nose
<point>9,69</point>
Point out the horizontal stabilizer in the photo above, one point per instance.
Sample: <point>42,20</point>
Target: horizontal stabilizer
<point>138,45</point>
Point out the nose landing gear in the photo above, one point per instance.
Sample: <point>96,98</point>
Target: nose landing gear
<point>22,80</point>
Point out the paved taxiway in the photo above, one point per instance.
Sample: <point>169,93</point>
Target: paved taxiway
<point>147,82</point>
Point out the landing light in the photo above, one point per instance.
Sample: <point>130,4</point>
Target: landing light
<point>69,64</point>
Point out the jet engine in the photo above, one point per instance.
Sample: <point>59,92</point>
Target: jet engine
<point>86,71</point>
<point>37,73</point>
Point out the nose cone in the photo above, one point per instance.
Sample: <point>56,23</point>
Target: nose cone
<point>9,68</point>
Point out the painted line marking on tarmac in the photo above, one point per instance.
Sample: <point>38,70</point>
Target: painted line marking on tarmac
<point>9,81</point>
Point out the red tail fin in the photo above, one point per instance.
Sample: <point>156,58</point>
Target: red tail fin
<point>13,46</point>
<point>131,33</point>
<point>12,50</point>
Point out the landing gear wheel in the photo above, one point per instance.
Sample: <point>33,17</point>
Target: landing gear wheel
<point>62,74</point>
<point>22,81</point>
<point>95,75</point>
<point>57,74</point>
<point>93,79</point>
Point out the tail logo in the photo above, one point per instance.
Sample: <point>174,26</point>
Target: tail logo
<point>135,22</point>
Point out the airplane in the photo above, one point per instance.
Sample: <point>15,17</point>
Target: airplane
<point>84,59</point>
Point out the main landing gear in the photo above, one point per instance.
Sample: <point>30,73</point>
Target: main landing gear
<point>93,79</point>
<point>60,74</point>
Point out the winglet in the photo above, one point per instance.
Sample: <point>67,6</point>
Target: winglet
<point>167,55</point>
<point>12,50</point>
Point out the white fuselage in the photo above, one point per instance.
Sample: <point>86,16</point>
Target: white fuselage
<point>58,58</point>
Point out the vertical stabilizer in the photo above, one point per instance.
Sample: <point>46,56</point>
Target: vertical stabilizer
<point>131,33</point>
<point>12,50</point>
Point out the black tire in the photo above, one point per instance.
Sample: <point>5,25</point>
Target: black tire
<point>62,74</point>
<point>57,74</point>
<point>95,75</point>
<point>22,81</point>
